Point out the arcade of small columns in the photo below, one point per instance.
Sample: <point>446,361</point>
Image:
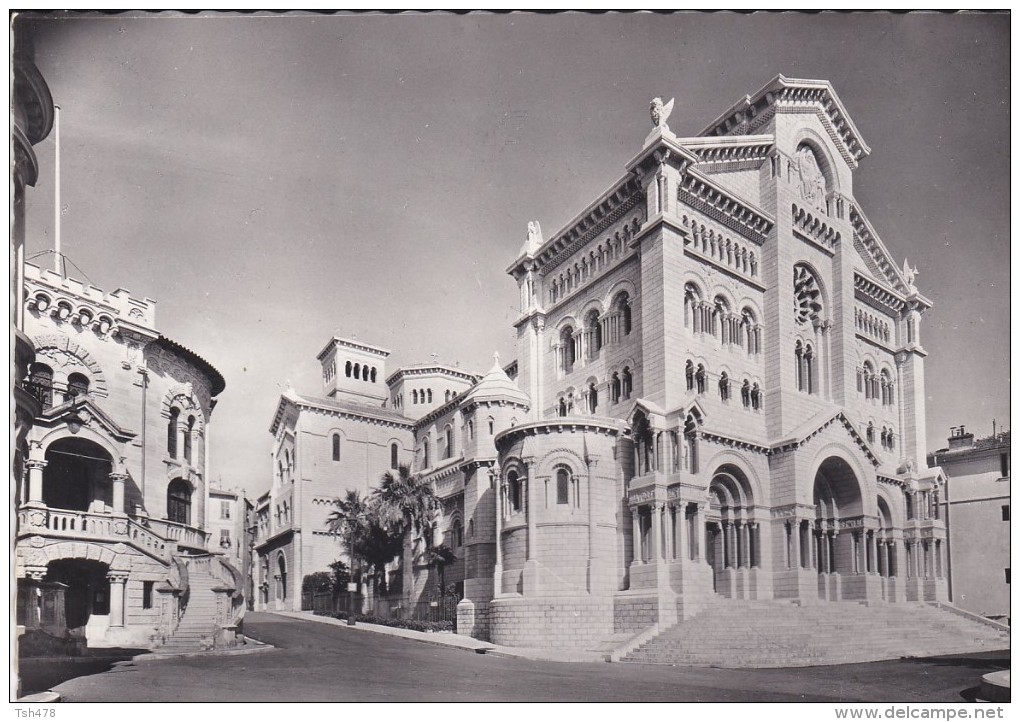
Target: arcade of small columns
<point>659,535</point>
<point>36,463</point>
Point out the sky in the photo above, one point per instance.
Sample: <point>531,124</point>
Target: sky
<point>273,181</point>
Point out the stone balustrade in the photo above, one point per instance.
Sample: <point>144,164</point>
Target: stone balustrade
<point>89,525</point>
<point>183,534</point>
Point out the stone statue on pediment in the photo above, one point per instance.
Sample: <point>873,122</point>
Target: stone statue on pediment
<point>660,112</point>
<point>908,275</point>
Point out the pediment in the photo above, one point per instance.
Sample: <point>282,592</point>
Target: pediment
<point>86,413</point>
<point>815,426</point>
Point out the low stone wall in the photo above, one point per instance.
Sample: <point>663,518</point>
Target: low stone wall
<point>632,614</point>
<point>473,619</point>
<point>553,622</point>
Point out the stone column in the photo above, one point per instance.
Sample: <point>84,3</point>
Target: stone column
<point>497,502</point>
<point>532,506</point>
<point>680,520</point>
<point>794,537</point>
<point>117,580</point>
<point>636,534</point>
<point>655,541</point>
<point>119,480</point>
<point>34,468</point>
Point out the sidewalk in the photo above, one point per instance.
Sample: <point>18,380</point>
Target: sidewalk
<point>458,641</point>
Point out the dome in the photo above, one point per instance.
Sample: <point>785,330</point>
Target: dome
<point>496,386</point>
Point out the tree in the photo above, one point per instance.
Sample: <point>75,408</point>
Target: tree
<point>363,532</point>
<point>409,501</point>
<point>439,556</point>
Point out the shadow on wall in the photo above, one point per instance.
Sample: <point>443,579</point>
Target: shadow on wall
<point>39,674</point>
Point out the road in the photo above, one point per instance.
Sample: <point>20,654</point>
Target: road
<point>323,663</point>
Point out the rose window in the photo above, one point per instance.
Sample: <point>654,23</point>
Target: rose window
<point>807,297</point>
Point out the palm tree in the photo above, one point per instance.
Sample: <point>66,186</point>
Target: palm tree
<point>410,501</point>
<point>439,556</point>
<point>361,525</point>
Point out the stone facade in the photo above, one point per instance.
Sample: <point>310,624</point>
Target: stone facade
<point>113,497</point>
<point>718,392</point>
<point>976,509</point>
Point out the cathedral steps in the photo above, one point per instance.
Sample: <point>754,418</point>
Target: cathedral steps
<point>197,629</point>
<point>745,633</point>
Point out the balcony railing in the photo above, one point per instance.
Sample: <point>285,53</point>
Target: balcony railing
<point>183,534</point>
<point>88,525</point>
<point>50,395</point>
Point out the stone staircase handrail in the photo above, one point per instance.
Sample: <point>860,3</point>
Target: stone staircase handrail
<point>972,616</point>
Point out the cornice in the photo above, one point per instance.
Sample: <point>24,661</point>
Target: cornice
<point>703,194</point>
<point>607,427</point>
<point>794,95</point>
<point>603,215</point>
<point>878,294</point>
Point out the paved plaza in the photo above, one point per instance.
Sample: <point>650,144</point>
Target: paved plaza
<point>324,663</point>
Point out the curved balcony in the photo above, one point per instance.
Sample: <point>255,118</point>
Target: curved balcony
<point>68,524</point>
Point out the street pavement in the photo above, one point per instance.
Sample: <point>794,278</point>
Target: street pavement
<point>316,662</point>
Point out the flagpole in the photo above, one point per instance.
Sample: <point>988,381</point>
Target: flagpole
<point>58,258</point>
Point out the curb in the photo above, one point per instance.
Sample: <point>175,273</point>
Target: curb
<point>256,648</point>
<point>47,697</point>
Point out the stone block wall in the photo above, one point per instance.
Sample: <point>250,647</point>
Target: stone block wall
<point>562,622</point>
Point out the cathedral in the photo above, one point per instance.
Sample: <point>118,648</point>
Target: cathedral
<point>718,394</point>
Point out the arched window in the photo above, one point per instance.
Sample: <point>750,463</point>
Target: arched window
<point>750,333</point>
<point>429,392</point>
<point>593,398</point>
<point>471,428</point>
<point>187,438</point>
<point>562,486</point>
<point>755,397</point>
<point>868,380</point>
<point>41,381</point>
<point>281,581</point>
<point>627,382</point>
<point>562,407</point>
<point>347,369</point>
<point>745,394</point>
<point>567,350</point>
<point>724,386</point>
<point>692,308</point>
<point>336,447</point>
<point>807,294</point>
<point>721,325</point>
<point>446,396</point>
<point>691,442</point>
<point>513,488</point>
<point>77,385</point>
<point>623,301</point>
<point>700,378</point>
<point>178,501</point>
<point>689,373</point>
<point>614,388</point>
<point>870,433</point>
<point>492,426</point>
<point>456,534</point>
<point>448,436</point>
<point>425,455</point>
<point>357,371</point>
<point>414,396</point>
<point>593,333</point>
<point>888,398</point>
<point>373,375</point>
<point>171,433</point>
<point>809,369</point>
<point>394,455</point>
<point>798,354</point>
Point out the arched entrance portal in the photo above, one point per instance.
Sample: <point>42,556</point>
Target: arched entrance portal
<point>841,546</point>
<point>281,581</point>
<point>732,533</point>
<point>88,589</point>
<point>77,476</point>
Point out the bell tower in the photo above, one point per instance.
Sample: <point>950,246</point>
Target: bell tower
<point>354,370</point>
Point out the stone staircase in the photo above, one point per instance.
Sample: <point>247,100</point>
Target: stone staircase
<point>746,633</point>
<point>197,628</point>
